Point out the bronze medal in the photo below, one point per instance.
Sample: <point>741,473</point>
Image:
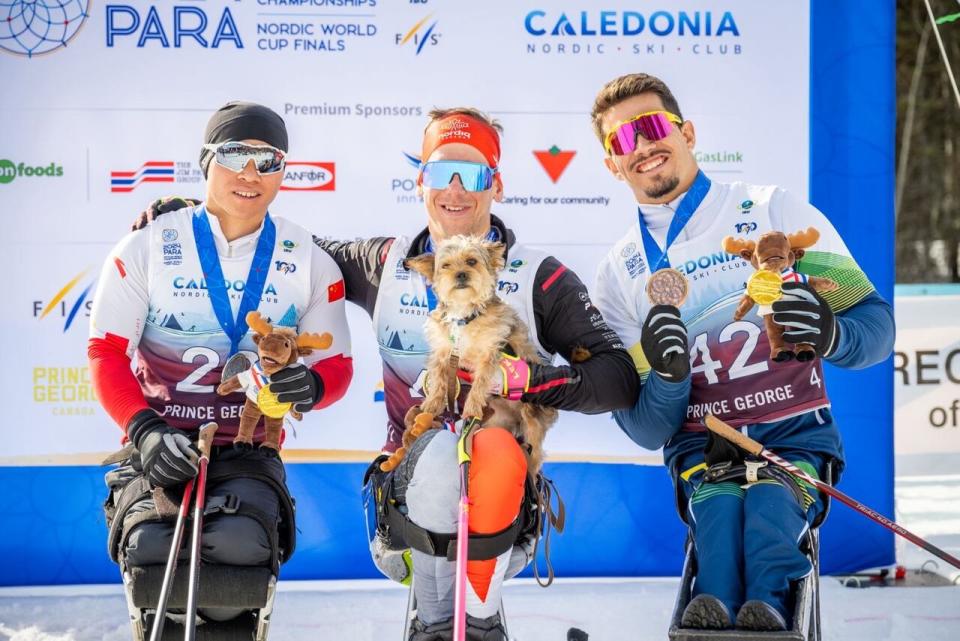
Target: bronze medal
<point>667,286</point>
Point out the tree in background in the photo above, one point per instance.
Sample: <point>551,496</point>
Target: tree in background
<point>928,146</point>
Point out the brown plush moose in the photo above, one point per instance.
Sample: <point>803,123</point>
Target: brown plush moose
<point>777,252</point>
<point>277,347</point>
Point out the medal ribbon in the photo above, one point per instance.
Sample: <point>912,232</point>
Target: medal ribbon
<point>234,328</point>
<point>657,257</point>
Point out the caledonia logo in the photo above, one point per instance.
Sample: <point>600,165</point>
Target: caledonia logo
<point>554,161</point>
<point>152,171</point>
<point>428,36</point>
<point>10,170</point>
<point>34,27</point>
<point>630,23</point>
<point>309,176</point>
<point>64,307</point>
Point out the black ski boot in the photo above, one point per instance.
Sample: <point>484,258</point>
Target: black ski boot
<point>706,612</point>
<point>442,631</point>
<point>760,616</point>
<point>488,629</point>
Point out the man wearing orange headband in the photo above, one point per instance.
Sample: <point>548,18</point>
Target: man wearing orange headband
<point>416,504</point>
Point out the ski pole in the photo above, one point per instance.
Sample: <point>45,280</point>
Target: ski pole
<point>460,585</point>
<point>746,443</point>
<point>159,619</point>
<point>205,442</point>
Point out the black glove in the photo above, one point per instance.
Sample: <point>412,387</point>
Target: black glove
<point>807,318</point>
<point>664,342</point>
<point>720,450</point>
<point>167,456</point>
<point>297,384</point>
<point>162,206</point>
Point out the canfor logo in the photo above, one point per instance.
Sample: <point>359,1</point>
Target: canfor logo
<point>34,27</point>
<point>10,170</point>
<point>309,176</point>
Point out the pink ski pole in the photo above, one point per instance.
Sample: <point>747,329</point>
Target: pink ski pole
<point>463,518</point>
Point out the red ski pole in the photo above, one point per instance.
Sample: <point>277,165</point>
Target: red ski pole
<point>746,443</point>
<point>205,442</point>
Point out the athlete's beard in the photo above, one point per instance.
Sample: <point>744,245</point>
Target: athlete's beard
<point>662,187</point>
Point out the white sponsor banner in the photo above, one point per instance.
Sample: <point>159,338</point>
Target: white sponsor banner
<point>927,382</point>
<point>96,129</point>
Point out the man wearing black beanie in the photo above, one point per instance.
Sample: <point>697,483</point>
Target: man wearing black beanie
<point>177,294</point>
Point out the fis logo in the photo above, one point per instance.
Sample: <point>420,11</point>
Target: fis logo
<point>284,267</point>
<point>745,228</point>
<point>420,39</point>
<point>62,305</point>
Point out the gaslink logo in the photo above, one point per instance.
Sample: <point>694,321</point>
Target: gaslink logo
<point>63,306</point>
<point>35,27</point>
<point>429,36</point>
<point>10,171</point>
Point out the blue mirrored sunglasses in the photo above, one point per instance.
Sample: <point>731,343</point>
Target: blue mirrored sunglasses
<point>474,176</point>
<point>237,155</point>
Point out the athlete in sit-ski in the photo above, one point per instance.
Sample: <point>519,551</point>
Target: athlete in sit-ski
<point>746,539</point>
<point>460,181</point>
<point>176,294</point>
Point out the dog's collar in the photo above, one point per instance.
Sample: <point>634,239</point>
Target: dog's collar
<point>462,321</point>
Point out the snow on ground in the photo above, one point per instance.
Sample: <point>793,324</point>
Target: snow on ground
<point>607,609</point>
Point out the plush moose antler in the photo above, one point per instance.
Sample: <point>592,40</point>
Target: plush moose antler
<point>309,342</point>
<point>803,239</point>
<point>733,245</point>
<point>258,323</point>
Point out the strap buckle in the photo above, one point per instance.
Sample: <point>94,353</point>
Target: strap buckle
<point>752,468</point>
<point>228,504</point>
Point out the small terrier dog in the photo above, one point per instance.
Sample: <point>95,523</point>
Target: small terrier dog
<point>473,325</point>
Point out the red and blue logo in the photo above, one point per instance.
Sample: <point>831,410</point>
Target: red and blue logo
<point>152,171</point>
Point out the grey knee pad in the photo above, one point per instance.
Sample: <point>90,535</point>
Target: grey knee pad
<point>427,481</point>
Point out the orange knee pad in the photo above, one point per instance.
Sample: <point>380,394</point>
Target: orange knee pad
<point>498,469</point>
